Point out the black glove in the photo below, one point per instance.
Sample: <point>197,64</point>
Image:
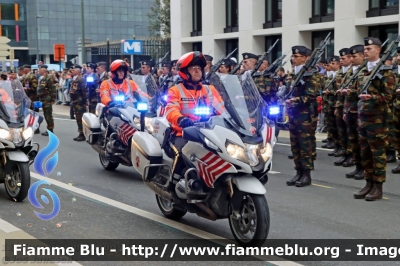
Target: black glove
<point>111,104</point>
<point>185,122</point>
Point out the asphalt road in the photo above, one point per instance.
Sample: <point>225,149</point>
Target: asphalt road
<point>116,205</point>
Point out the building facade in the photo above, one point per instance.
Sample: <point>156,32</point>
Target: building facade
<point>46,22</point>
<point>219,26</point>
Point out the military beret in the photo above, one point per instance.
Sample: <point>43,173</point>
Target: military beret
<point>91,65</point>
<point>308,52</point>
<point>344,51</point>
<point>147,63</point>
<point>328,60</point>
<point>335,58</point>
<point>65,69</point>
<point>21,68</point>
<point>359,48</point>
<point>299,49</point>
<point>173,63</point>
<point>26,66</point>
<point>208,57</point>
<point>228,63</point>
<point>104,64</point>
<point>371,41</point>
<point>398,50</point>
<point>76,67</point>
<point>249,55</point>
<point>166,64</point>
<point>43,66</point>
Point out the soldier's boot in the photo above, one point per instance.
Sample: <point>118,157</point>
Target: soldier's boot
<point>375,193</point>
<point>305,180</point>
<point>292,182</point>
<point>46,133</point>
<point>341,152</point>
<point>349,162</point>
<point>325,140</point>
<point>337,147</point>
<point>37,131</point>
<point>331,145</point>
<point>81,137</point>
<point>290,156</point>
<point>341,160</point>
<point>358,169</point>
<point>396,170</point>
<point>360,174</point>
<point>391,156</point>
<point>364,191</point>
<point>326,144</point>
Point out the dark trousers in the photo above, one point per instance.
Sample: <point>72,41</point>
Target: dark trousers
<point>71,110</point>
<point>177,144</point>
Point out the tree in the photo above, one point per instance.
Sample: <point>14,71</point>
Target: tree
<point>159,18</point>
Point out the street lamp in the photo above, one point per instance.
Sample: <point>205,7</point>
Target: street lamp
<point>108,53</point>
<point>37,38</point>
<point>134,37</point>
<point>83,34</point>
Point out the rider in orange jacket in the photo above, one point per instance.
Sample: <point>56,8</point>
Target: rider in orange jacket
<point>118,85</point>
<point>184,97</point>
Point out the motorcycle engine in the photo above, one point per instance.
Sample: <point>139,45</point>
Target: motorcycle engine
<point>194,186</point>
<point>114,146</point>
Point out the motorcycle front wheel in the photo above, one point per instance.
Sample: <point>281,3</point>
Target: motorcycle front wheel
<point>251,228</point>
<point>19,181</point>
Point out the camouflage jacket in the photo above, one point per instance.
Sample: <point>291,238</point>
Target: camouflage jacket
<point>381,91</point>
<point>304,96</point>
<point>267,88</point>
<point>341,79</point>
<point>78,88</point>
<point>325,97</point>
<point>30,82</point>
<point>47,87</point>
<point>396,98</point>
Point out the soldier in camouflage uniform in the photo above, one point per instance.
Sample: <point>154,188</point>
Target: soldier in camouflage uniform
<point>78,92</point>
<point>265,85</point>
<point>330,144</point>
<point>332,97</point>
<point>396,115</point>
<point>30,83</point>
<point>91,82</point>
<point>47,95</point>
<point>351,114</point>
<point>102,76</point>
<point>373,130</point>
<point>342,76</point>
<point>300,111</point>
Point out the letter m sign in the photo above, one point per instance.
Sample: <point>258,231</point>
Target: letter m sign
<point>132,47</point>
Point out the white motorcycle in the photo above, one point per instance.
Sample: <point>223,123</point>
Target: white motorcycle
<point>226,163</point>
<point>110,130</point>
<point>17,126</point>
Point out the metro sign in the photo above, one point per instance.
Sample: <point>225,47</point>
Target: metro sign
<point>131,47</point>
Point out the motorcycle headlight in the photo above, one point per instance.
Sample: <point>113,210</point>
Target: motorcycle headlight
<point>251,154</point>
<point>210,144</point>
<point>27,133</point>
<point>5,134</point>
<point>147,123</point>
<point>266,152</point>
<point>136,121</point>
<point>16,135</point>
<point>123,117</point>
<point>236,152</point>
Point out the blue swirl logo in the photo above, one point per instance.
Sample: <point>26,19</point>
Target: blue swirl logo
<point>43,168</point>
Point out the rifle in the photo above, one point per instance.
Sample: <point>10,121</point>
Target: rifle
<point>155,66</point>
<point>136,72</point>
<point>273,68</point>
<point>262,58</point>
<point>383,44</point>
<point>379,66</point>
<point>330,83</point>
<point>309,65</point>
<point>215,68</point>
<point>355,75</point>
<point>236,68</point>
<point>395,65</point>
<point>165,81</point>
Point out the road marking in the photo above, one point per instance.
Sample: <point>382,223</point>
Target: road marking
<point>385,198</point>
<point>73,120</point>
<point>321,149</point>
<point>317,185</point>
<point>148,215</point>
<point>6,227</point>
<point>273,172</point>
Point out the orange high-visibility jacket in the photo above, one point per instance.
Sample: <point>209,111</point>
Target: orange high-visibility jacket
<point>108,90</point>
<point>181,102</point>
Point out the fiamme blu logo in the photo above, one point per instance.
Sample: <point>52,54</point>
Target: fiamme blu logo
<point>44,167</point>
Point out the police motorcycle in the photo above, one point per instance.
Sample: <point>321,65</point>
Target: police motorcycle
<point>109,130</point>
<point>226,159</point>
<point>17,149</point>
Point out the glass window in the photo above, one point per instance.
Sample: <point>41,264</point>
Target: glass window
<point>7,12</point>
<point>317,7</point>
<point>109,17</point>
<point>22,12</point>
<point>232,13</point>
<point>390,3</point>
<point>279,13</point>
<point>23,33</point>
<point>273,11</point>
<point>374,3</point>
<point>8,31</point>
<point>231,45</point>
<point>330,6</point>
<point>318,36</point>
<point>277,51</point>
<point>269,10</point>
<point>197,21</point>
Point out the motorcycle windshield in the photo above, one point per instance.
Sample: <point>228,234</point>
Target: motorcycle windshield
<point>151,91</point>
<point>242,102</point>
<point>11,109</point>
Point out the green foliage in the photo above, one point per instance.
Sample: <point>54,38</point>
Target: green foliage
<point>159,19</point>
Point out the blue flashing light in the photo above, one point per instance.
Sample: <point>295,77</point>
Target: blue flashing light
<point>142,106</point>
<point>37,105</point>
<point>89,79</point>
<point>274,110</point>
<point>202,111</point>
<point>165,97</point>
<point>119,98</point>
